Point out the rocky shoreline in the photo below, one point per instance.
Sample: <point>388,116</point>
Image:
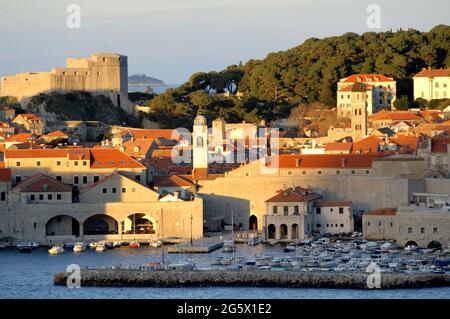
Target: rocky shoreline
<point>232,278</point>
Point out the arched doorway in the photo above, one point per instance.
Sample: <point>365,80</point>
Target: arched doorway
<point>139,224</point>
<point>283,231</point>
<point>100,225</point>
<point>253,223</point>
<point>434,245</point>
<point>271,230</point>
<point>62,225</point>
<point>294,231</point>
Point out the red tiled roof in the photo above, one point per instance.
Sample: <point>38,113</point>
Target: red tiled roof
<point>42,183</point>
<point>338,146</point>
<point>148,133</point>
<point>112,158</point>
<point>5,175</point>
<point>368,78</point>
<point>352,87</point>
<point>331,203</point>
<point>433,72</point>
<point>395,116</point>
<point>21,138</point>
<point>172,181</point>
<point>29,117</point>
<point>328,160</point>
<point>56,134</point>
<point>409,142</point>
<point>382,212</point>
<point>294,195</point>
<point>369,144</point>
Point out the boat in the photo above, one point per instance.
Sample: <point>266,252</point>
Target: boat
<point>411,248</point>
<point>253,241</point>
<point>181,266</point>
<point>217,261</point>
<point>92,245</point>
<point>155,243</point>
<point>263,260</point>
<point>69,245</point>
<point>25,247</point>
<point>100,247</point>
<point>134,244</point>
<point>2,245</point>
<point>79,247</point>
<point>276,262</point>
<point>289,249</point>
<point>56,250</point>
<point>229,246</point>
<point>226,261</point>
<point>109,245</point>
<point>117,244</point>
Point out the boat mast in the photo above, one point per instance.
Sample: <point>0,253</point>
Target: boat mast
<point>161,231</point>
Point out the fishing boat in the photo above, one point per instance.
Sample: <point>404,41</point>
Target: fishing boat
<point>79,247</point>
<point>92,245</point>
<point>56,250</point>
<point>183,266</point>
<point>100,247</point>
<point>134,244</point>
<point>229,246</point>
<point>25,247</point>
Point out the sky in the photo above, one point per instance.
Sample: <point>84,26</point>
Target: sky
<point>171,39</point>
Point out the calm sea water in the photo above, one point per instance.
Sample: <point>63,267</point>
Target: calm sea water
<point>31,276</point>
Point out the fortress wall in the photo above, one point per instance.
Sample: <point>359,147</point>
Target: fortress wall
<point>437,185</point>
<point>247,195</point>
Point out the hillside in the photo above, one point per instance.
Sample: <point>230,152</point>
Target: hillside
<point>304,74</point>
<point>143,80</point>
<point>80,106</point>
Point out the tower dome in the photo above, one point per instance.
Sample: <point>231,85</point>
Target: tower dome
<point>200,120</point>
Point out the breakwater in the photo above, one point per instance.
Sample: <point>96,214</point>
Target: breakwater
<point>235,278</point>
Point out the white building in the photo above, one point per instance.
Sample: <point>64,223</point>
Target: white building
<point>432,84</point>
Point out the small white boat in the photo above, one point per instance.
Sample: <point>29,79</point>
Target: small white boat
<point>92,245</point>
<point>155,243</point>
<point>25,247</point>
<point>56,250</point>
<point>79,247</point>
<point>100,247</point>
<point>181,266</point>
<point>411,248</point>
<point>263,260</point>
<point>117,244</point>
<point>229,246</point>
<point>289,249</point>
<point>253,241</point>
<point>2,245</point>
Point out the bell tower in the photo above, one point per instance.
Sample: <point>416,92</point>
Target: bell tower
<point>200,148</point>
<point>359,111</point>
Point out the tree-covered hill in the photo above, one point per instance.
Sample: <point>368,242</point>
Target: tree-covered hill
<point>304,74</point>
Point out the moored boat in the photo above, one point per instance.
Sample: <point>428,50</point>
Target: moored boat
<point>134,244</point>
<point>79,247</point>
<point>155,243</point>
<point>100,247</point>
<point>25,247</point>
<point>56,250</point>
<point>92,245</point>
<point>229,246</point>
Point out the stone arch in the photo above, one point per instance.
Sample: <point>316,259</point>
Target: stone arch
<point>253,222</point>
<point>62,225</point>
<point>434,244</point>
<point>139,223</point>
<point>411,243</point>
<point>294,231</point>
<point>271,231</point>
<point>283,231</point>
<point>100,224</point>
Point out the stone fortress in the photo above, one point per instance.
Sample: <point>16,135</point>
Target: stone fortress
<point>102,73</point>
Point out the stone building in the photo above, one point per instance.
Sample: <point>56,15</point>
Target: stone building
<point>359,111</point>
<point>409,225</point>
<point>102,73</point>
<point>29,123</point>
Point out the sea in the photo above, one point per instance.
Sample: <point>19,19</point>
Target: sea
<point>31,276</point>
<point>156,89</point>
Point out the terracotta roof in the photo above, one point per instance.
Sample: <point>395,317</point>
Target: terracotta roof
<point>331,203</point>
<point>382,212</point>
<point>4,124</point>
<point>148,133</point>
<point>112,158</point>
<point>137,147</point>
<point>21,138</point>
<point>328,160</point>
<point>338,146</point>
<point>433,72</point>
<point>42,183</point>
<point>367,78</point>
<point>29,117</point>
<point>56,134</point>
<point>172,181</point>
<point>294,195</point>
<point>5,175</point>
<point>410,143</point>
<point>395,116</point>
<point>369,144</point>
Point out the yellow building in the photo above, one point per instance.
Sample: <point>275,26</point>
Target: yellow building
<point>432,84</point>
<point>102,73</point>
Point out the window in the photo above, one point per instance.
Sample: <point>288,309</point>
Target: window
<point>390,224</point>
<point>41,196</point>
<point>58,163</point>
<point>331,209</point>
<point>138,178</point>
<point>285,210</point>
<point>296,212</point>
<point>34,225</point>
<point>58,196</point>
<point>96,178</point>
<point>18,179</point>
<point>75,163</point>
<point>133,190</point>
<point>436,94</point>
<point>436,84</point>
<point>409,230</point>
<point>367,171</point>
<point>379,223</point>
<point>318,211</point>
<point>124,190</point>
<point>49,197</point>
<point>338,172</point>
<point>58,178</point>
<point>319,172</point>
<point>114,190</point>
<point>342,225</point>
<point>38,163</point>
<point>104,190</point>
<point>247,174</point>
<point>75,180</point>
<point>368,224</point>
<point>318,225</point>
<point>84,163</point>
<point>422,230</point>
<point>18,163</point>
<point>353,171</point>
<point>85,179</point>
<point>304,172</point>
<point>275,210</point>
<point>341,210</point>
<point>435,230</point>
<point>32,197</point>
<point>289,173</point>
<point>3,196</point>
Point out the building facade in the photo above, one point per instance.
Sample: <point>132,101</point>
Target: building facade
<point>432,84</point>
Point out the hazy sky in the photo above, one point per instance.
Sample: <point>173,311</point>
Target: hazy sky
<point>171,39</point>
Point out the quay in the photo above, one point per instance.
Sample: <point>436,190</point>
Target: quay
<point>249,278</point>
<point>201,246</point>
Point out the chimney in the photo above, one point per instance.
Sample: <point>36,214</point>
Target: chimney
<point>297,162</point>
<point>343,160</point>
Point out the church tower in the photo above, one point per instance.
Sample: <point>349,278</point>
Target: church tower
<point>200,148</point>
<point>359,111</point>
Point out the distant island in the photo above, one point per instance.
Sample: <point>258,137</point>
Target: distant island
<point>143,80</point>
